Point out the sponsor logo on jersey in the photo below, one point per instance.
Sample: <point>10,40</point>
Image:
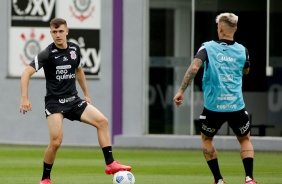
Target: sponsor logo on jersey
<point>232,106</point>
<point>226,77</point>
<point>224,67</point>
<point>221,57</point>
<point>82,10</point>
<point>63,67</point>
<point>226,97</point>
<point>229,87</point>
<point>66,100</point>
<point>62,73</point>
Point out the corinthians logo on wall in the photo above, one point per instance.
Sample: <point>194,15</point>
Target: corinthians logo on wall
<point>32,12</point>
<point>82,9</point>
<point>31,46</point>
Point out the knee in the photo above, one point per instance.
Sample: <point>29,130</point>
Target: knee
<point>244,138</point>
<point>103,123</point>
<point>56,143</point>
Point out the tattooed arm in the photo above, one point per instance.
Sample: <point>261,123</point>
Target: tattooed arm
<point>188,78</point>
<point>190,74</point>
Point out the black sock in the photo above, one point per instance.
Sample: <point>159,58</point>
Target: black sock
<point>214,167</point>
<point>46,171</point>
<point>248,165</point>
<point>107,151</point>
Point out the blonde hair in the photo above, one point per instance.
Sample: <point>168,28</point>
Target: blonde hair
<point>229,18</point>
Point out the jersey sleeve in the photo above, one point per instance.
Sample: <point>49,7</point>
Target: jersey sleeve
<point>202,53</point>
<point>247,64</point>
<point>79,63</point>
<point>40,59</point>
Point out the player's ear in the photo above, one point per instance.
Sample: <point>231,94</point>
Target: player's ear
<point>220,28</point>
<point>67,31</point>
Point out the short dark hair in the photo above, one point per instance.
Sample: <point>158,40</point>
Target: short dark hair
<point>57,22</point>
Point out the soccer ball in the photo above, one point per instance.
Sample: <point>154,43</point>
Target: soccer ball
<point>123,177</point>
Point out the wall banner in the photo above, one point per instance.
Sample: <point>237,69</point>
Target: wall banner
<point>30,31</point>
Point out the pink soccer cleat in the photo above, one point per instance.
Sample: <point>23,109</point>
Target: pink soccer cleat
<point>45,181</point>
<point>252,181</point>
<point>116,167</point>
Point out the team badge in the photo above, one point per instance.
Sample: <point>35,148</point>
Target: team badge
<point>31,47</point>
<point>82,10</point>
<point>73,54</point>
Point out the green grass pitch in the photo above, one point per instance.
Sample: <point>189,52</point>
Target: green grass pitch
<point>85,165</point>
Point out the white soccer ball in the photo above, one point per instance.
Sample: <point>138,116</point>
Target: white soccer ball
<point>123,177</point>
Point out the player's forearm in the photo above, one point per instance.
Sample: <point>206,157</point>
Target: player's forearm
<point>24,84</point>
<point>82,82</point>
<point>84,88</point>
<point>190,74</point>
<point>28,72</point>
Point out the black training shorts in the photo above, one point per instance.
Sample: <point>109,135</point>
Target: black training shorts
<point>211,122</point>
<point>71,107</point>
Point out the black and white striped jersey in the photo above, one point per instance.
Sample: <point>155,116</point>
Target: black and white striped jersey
<point>59,67</point>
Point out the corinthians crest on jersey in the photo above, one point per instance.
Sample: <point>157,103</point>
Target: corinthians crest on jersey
<point>73,54</point>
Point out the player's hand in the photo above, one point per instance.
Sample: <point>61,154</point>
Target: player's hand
<point>87,99</point>
<point>25,105</point>
<point>178,98</point>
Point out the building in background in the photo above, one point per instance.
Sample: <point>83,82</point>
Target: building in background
<point>140,51</point>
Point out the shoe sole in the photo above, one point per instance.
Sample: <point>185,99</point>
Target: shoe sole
<point>113,172</point>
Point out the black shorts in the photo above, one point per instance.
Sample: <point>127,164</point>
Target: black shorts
<point>71,107</point>
<point>212,121</point>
